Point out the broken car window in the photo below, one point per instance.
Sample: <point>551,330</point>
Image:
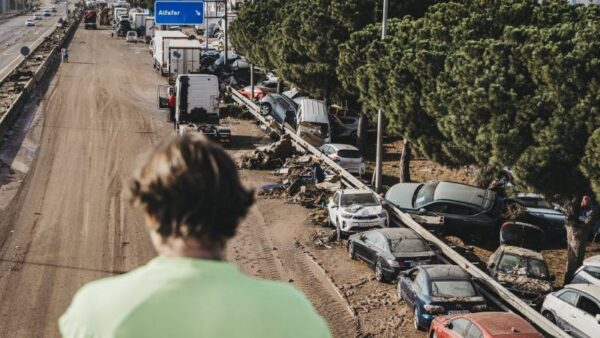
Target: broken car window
<point>517,265</point>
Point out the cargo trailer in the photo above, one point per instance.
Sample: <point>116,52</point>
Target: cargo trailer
<point>184,58</point>
<point>160,48</point>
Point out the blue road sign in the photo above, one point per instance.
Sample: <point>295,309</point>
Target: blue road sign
<point>179,12</point>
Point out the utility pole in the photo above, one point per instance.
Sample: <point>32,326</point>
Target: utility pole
<point>379,151</point>
<point>252,75</point>
<point>226,18</point>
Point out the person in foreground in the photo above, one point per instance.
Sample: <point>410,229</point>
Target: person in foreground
<point>193,201</point>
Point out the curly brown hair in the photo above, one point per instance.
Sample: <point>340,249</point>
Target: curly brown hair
<point>191,187</point>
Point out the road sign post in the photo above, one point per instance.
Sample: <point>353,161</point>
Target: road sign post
<point>179,12</point>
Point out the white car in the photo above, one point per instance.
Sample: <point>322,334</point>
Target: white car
<point>353,210</point>
<point>131,36</point>
<point>589,272</point>
<point>575,309</point>
<point>29,22</point>
<point>347,156</point>
<point>38,16</point>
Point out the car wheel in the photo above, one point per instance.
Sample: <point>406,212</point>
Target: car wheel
<point>417,321</point>
<point>351,251</point>
<point>265,109</point>
<point>549,316</point>
<point>379,272</point>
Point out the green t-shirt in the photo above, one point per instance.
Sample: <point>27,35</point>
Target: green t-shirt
<point>187,297</point>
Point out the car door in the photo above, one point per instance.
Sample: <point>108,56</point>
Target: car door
<point>585,321</point>
<point>360,246</point>
<point>407,286</point>
<point>371,247</point>
<point>566,312</point>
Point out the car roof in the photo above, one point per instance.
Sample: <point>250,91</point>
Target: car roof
<point>521,251</point>
<point>501,323</point>
<point>590,289</point>
<point>592,261</point>
<point>463,193</point>
<point>445,272</point>
<point>341,146</point>
<point>397,233</point>
<point>313,110</point>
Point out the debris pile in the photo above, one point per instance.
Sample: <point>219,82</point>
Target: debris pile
<point>271,156</point>
<point>321,238</point>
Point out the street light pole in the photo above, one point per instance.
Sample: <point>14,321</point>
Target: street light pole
<point>226,18</point>
<point>379,151</point>
<point>252,74</point>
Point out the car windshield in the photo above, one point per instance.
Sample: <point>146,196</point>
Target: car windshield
<point>366,199</point>
<point>526,266</point>
<point>424,194</point>
<point>408,245</point>
<point>348,153</point>
<point>452,288</point>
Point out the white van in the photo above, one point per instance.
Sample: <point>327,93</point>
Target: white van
<point>197,98</point>
<point>312,121</point>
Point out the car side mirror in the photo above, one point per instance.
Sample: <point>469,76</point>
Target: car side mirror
<point>362,237</point>
<point>449,325</point>
<point>384,203</point>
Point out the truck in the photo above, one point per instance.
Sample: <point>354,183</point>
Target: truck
<point>89,19</point>
<point>160,48</point>
<point>184,58</point>
<point>138,20</point>
<point>196,105</point>
<point>118,13</point>
<point>149,25</point>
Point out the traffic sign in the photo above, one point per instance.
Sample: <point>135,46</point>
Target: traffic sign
<point>179,12</point>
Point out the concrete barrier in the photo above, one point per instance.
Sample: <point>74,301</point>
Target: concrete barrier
<point>49,64</point>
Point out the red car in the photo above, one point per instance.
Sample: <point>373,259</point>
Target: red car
<point>261,89</point>
<point>482,325</point>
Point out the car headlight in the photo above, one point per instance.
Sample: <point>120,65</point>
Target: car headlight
<point>481,307</point>
<point>382,214</point>
<point>434,308</point>
<point>346,215</point>
<point>393,263</point>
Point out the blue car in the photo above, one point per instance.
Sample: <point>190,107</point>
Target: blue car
<point>432,290</point>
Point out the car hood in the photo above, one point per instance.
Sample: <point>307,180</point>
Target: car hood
<point>524,283</point>
<point>360,210</point>
<point>402,194</point>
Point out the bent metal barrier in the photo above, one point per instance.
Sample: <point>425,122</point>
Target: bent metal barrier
<point>480,276</point>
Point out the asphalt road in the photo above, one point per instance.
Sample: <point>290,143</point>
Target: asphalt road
<point>14,35</point>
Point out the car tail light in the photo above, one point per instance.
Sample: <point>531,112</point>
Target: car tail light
<point>433,309</point>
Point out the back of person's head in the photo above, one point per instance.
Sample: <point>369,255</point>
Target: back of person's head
<point>190,188</point>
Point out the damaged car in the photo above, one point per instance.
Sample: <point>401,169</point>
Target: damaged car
<point>522,271</point>
<point>353,210</point>
<point>433,290</point>
<point>467,210</point>
<point>389,251</point>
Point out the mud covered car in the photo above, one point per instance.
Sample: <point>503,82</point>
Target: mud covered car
<point>483,325</point>
<point>432,290</point>
<point>522,271</point>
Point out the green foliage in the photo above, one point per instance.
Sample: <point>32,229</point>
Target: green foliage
<point>490,83</point>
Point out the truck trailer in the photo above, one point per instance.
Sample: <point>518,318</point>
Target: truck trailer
<point>197,105</point>
<point>149,25</point>
<point>138,20</point>
<point>160,48</point>
<point>184,58</point>
<point>89,19</point>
